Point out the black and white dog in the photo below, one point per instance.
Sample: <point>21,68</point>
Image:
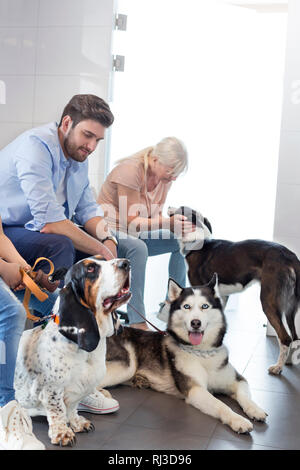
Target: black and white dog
<point>190,361</point>
<point>240,263</point>
<point>60,364</point>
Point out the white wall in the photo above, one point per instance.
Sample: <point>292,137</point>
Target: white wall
<point>287,226</point>
<point>205,77</point>
<point>49,51</point>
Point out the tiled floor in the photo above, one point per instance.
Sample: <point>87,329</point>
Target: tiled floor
<point>152,420</point>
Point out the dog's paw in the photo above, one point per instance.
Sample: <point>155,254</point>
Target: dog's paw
<point>140,381</point>
<point>275,369</point>
<point>240,425</point>
<point>64,437</point>
<point>256,413</point>
<point>104,392</point>
<point>81,424</point>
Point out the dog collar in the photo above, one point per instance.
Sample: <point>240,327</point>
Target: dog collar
<point>200,352</point>
<point>44,320</point>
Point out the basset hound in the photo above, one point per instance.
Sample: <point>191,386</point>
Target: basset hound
<point>60,364</point>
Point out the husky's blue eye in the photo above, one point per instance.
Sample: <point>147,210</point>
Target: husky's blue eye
<point>186,306</point>
<point>204,306</point>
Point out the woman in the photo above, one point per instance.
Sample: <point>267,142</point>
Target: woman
<point>15,425</point>
<point>132,197</point>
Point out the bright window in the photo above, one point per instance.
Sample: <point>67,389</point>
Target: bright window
<point>212,75</point>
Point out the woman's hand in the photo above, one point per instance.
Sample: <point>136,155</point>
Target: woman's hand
<point>180,225</point>
<point>12,277</point>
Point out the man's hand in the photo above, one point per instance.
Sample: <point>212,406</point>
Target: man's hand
<point>86,242</point>
<point>110,245</point>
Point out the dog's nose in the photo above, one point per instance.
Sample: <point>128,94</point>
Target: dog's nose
<point>124,264</point>
<point>196,324</point>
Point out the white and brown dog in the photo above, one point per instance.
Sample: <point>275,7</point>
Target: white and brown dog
<point>238,264</point>
<point>60,364</point>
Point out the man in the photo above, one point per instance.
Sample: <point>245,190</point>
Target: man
<point>46,203</point>
<point>44,184</point>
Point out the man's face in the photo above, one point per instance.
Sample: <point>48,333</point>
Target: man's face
<point>82,140</point>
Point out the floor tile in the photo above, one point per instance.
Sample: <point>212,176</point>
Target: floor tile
<point>165,412</point>
<point>241,347</point>
<point>84,441</point>
<point>130,437</point>
<point>267,347</point>
<point>219,444</point>
<point>129,399</point>
<point>281,429</point>
<point>258,377</point>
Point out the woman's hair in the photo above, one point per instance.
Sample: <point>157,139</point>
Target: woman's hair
<point>83,107</point>
<point>170,152</point>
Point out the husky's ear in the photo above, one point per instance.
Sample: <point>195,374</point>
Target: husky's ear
<point>214,286</point>
<point>174,290</point>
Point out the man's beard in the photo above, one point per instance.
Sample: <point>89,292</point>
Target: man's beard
<point>73,151</point>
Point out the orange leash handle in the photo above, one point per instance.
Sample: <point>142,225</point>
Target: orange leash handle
<point>33,288</point>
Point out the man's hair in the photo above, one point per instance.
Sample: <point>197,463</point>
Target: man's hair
<point>83,107</point>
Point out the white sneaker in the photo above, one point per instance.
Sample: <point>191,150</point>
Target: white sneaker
<point>98,404</point>
<point>164,310</point>
<point>16,429</point>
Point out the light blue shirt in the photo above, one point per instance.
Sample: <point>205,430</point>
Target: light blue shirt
<point>31,170</point>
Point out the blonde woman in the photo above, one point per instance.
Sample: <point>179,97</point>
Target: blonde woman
<point>133,197</point>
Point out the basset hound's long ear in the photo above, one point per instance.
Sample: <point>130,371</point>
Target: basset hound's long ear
<point>77,322</point>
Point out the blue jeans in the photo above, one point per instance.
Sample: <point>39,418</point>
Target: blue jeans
<point>32,245</point>
<point>12,322</point>
<point>137,251</point>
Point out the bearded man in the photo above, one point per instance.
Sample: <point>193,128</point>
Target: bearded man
<point>45,196</point>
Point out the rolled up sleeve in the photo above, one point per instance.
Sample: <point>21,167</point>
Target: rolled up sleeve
<point>34,167</point>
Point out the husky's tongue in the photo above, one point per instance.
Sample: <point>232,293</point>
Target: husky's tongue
<point>195,338</point>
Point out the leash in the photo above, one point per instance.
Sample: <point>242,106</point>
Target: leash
<point>32,288</point>
<point>164,333</point>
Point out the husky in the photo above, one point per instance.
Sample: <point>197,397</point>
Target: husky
<point>238,265</point>
<point>188,361</point>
